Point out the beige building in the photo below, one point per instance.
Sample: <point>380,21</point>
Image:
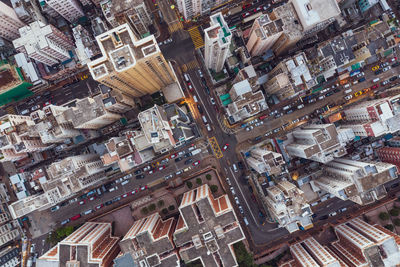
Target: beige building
<point>280,86</point>
<point>116,101</point>
<point>265,161</point>
<point>9,22</point>
<point>288,206</point>
<point>248,73</point>
<point>136,67</point>
<point>90,113</point>
<point>16,139</point>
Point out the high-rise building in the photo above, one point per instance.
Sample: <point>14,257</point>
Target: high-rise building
<point>92,244</point>
<point>193,8</point>
<point>265,161</point>
<point>217,41</point>
<point>70,10</point>
<point>318,142</point>
<point>207,228</point>
<point>86,45</point>
<point>43,43</point>
<point>136,67</point>
<point>28,11</point>
<point>9,23</point>
<point>360,182</point>
<point>390,155</point>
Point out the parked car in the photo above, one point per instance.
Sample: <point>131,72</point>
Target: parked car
<point>232,190</point>
<point>140,176</point>
<point>55,208</point>
<point>188,161</point>
<point>225,147</point>
<point>65,221</point>
<point>196,163</point>
<point>228,181</point>
<point>237,200</point>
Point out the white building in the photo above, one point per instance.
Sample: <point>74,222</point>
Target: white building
<point>193,8</point>
<point>318,142</point>
<point>28,67</point>
<point>68,9</point>
<point>86,45</point>
<point>28,11</point>
<point>265,161</point>
<point>43,43</point>
<point>360,182</point>
<point>217,41</point>
<point>9,23</point>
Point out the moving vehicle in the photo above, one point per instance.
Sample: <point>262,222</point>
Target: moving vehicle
<point>55,208</point>
<point>225,147</point>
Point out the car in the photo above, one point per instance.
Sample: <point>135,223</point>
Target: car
<point>385,82</point>
<point>188,161</point>
<point>386,69</point>
<point>115,199</point>
<point>240,165</point>
<point>120,180</point>
<point>374,68</point>
<point>268,133</point>
<point>161,168</point>
<point>179,172</point>
<point>173,156</point>
<point>65,221</point>
<point>76,217</point>
<point>200,109</point>
<point>348,97</point>
<point>300,106</point>
<point>342,210</point>
<point>396,65</point>
<point>143,188</point>
<point>225,147</point>
<point>181,153</point>
<point>187,155</point>
<point>200,73</point>
<point>245,14</point>
<point>124,195</point>
<point>321,97</point>
<point>257,124</point>
<point>384,64</point>
<point>152,171</point>
<point>196,163</point>
<point>237,200</point>
<point>289,111</point>
<point>140,176</point>
<point>99,207</point>
<point>47,103</point>
<point>139,171</point>
<point>295,121</point>
<point>323,217</point>
<point>361,80</point>
<point>147,168</point>
<point>228,181</point>
<point>82,202</point>
<point>332,214</point>
<point>107,203</point>
<point>365,90</point>
<point>378,72</point>
<point>55,208</point>
<point>128,176</point>
<point>277,129</point>
<point>329,93</point>
<point>358,93</point>
<point>361,74</point>
<point>232,190</point>
<point>241,209</point>
<point>257,9</point>
<point>178,159</point>
<point>312,100</point>
<point>374,86</point>
<point>73,200</point>
<point>212,100</point>
<point>134,191</point>
<point>266,6</point>
<point>92,198</point>
<point>35,107</point>
<point>169,176</point>
<point>392,79</point>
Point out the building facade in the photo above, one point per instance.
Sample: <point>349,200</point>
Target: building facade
<point>9,23</point>
<point>265,161</point>
<point>194,8</point>
<point>68,9</point>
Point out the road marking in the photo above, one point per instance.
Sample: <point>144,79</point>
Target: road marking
<point>204,106</point>
<point>215,147</point>
<point>240,189</point>
<point>196,37</point>
<point>175,26</point>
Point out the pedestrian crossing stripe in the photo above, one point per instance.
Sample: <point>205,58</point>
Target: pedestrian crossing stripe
<point>196,37</point>
<point>215,147</point>
<point>10,110</point>
<point>176,26</point>
<point>190,65</point>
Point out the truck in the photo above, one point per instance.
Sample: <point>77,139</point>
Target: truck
<point>196,151</point>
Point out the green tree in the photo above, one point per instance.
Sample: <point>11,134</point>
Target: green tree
<point>243,257</point>
<point>152,207</point>
<point>199,181</point>
<point>160,203</point>
<point>189,184</point>
<point>396,222</point>
<point>164,211</point>
<point>214,188</point>
<point>144,210</point>
<point>171,208</point>
<point>208,177</point>
<point>394,212</point>
<point>384,216</point>
<point>390,227</point>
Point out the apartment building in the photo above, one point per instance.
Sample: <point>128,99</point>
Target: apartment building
<point>9,231</point>
<point>390,155</point>
<point>9,257</point>
<point>288,206</point>
<point>86,45</point>
<point>43,43</point>
<point>245,102</point>
<point>133,12</point>
<point>52,125</point>
<point>248,73</point>
<point>263,161</point>
<point>211,242</point>
<point>194,8</point>
<point>318,142</point>
<point>16,139</point>
<point>90,113</point>
<point>358,244</point>
<point>28,11</point>
<point>290,77</point>
<point>136,67</point>
<point>70,10</point>
<point>217,41</point>
<point>92,244</point>
<point>149,242</point>
<point>9,23</point>
<point>116,101</point>
<point>360,182</point>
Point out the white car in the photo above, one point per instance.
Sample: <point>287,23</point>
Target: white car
<point>386,68</point>
<point>257,124</point>
<point>145,169</point>
<point>348,97</point>
<point>360,75</point>
<point>228,181</point>
<point>233,190</point>
<point>237,200</point>
<point>321,97</point>
<point>241,209</point>
<point>212,100</point>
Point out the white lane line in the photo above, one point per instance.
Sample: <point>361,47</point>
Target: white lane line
<point>201,100</point>
<point>240,189</point>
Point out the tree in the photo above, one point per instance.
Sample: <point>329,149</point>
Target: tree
<point>189,184</point>
<point>384,216</point>
<point>160,203</point>
<point>394,212</point>
<point>214,188</point>
<point>199,181</point>
<point>208,177</point>
<point>243,257</point>
<point>164,211</point>
<point>171,208</point>
<point>390,227</point>
<point>396,222</point>
<point>144,210</point>
<point>152,207</point>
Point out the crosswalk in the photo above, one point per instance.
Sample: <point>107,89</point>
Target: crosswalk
<point>190,65</point>
<point>215,147</point>
<point>10,110</point>
<point>176,26</point>
<point>196,37</point>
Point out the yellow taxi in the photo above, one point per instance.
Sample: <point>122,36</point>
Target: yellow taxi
<point>358,93</point>
<point>374,68</point>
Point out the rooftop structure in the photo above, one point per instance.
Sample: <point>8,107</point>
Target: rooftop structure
<point>265,161</point>
<point>68,9</point>
<point>193,8</point>
<point>318,142</point>
<point>92,244</point>
<point>245,103</point>
<point>248,73</point>
<point>27,11</point>
<point>86,46</point>
<point>43,43</point>
<point>136,67</point>
<point>116,101</point>
<point>390,155</point>
<point>207,228</point>
<point>217,41</point>
<point>288,206</point>
<point>360,182</point>
<point>149,242</point>
<point>10,23</point>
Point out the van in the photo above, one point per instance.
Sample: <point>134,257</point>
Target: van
<point>375,80</point>
<point>348,91</point>
<point>125,182</point>
<point>204,119</point>
<point>347,85</point>
<point>235,169</point>
<point>195,99</point>
<point>246,222</point>
<point>187,78</point>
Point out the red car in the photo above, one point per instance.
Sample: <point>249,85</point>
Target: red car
<point>76,217</point>
<point>173,156</point>
<point>143,188</point>
<point>246,6</point>
<point>263,117</point>
<point>125,195</point>
<point>92,198</point>
<point>196,163</point>
<point>375,86</point>
<point>99,207</point>
<point>161,168</point>
<point>225,147</point>
<point>47,103</point>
